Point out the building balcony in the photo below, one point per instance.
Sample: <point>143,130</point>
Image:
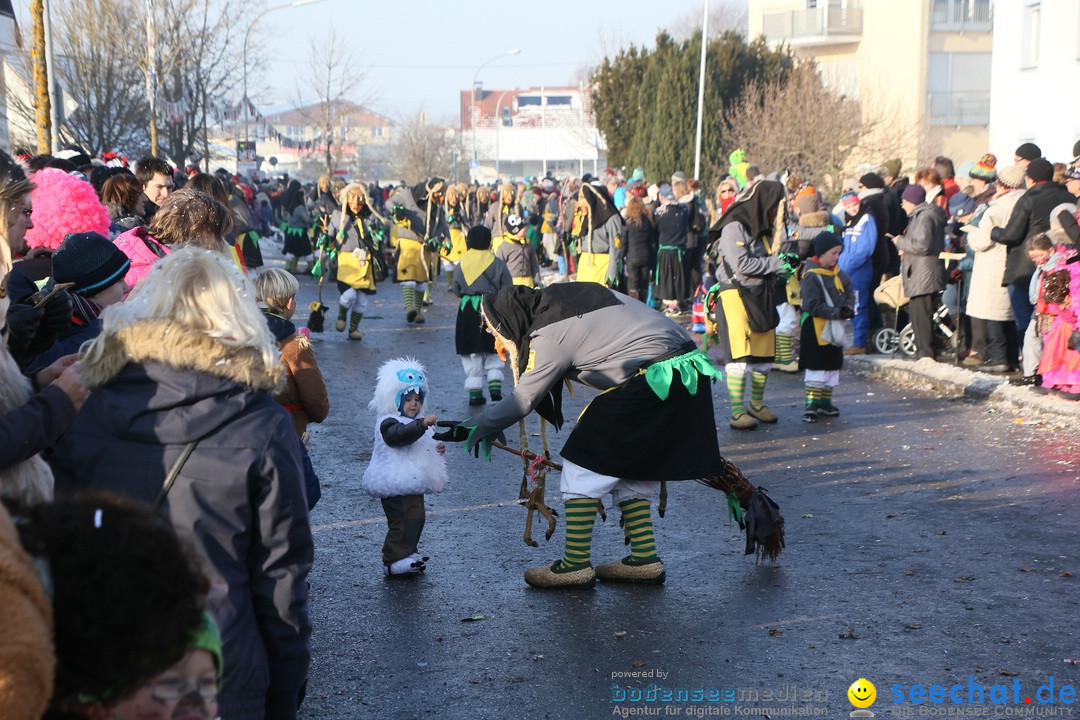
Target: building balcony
<point>961,16</point>
<point>814,27</point>
<point>957,109</point>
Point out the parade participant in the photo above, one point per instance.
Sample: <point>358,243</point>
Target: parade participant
<point>600,237</point>
<point>353,235</point>
<point>418,222</point>
<point>549,219</point>
<point>296,226</point>
<point>826,294</point>
<point>672,264</point>
<point>497,213</point>
<point>181,377</point>
<point>653,420</point>
<point>478,274</point>
<point>406,462</point>
<point>479,202</point>
<point>453,247</point>
<point>518,253</point>
<point>304,393</point>
<point>326,203</point>
<point>640,248</point>
<point>744,240</point>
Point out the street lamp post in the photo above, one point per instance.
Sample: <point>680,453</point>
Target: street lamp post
<point>472,104</point>
<point>247,36</point>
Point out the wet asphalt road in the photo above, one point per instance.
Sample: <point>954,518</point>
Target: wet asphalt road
<point>929,539</point>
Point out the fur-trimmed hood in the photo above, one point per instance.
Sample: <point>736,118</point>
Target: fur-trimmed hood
<point>177,347</point>
<point>822,218</point>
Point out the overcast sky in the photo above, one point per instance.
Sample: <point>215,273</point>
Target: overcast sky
<point>413,53</point>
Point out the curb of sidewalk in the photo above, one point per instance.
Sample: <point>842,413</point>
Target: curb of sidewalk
<point>957,381</point>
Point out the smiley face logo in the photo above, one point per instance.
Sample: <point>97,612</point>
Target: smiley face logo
<point>862,693</point>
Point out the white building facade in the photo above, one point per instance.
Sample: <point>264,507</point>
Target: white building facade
<point>1033,77</point>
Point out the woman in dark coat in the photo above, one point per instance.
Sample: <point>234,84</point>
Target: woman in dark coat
<point>188,364</point>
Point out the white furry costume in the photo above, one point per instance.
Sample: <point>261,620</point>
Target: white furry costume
<point>413,469</point>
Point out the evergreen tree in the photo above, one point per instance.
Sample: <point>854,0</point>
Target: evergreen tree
<point>645,102</point>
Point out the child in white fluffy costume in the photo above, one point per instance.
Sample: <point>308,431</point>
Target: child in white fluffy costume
<point>406,462</point>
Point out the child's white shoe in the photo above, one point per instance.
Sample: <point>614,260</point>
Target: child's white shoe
<point>405,567</point>
<point>418,556</point>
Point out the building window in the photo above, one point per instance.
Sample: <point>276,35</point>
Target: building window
<point>528,100</point>
<point>376,131</point>
<point>1029,49</point>
<point>558,100</point>
<point>961,16</point>
<point>505,118</point>
<point>958,85</point>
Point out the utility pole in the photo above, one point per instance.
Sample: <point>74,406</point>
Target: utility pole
<point>41,78</point>
<point>701,90</point>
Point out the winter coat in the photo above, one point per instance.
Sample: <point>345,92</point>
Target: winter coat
<point>673,225</point>
<point>897,218</point>
<point>875,204</point>
<point>860,242</point>
<point>520,259</point>
<point>304,395</point>
<point>812,291</point>
<point>1030,216</point>
<point>640,242</point>
<point>142,250</point>
<point>29,429</point>
<point>810,226</point>
<point>922,271</point>
<point>240,495</point>
<point>987,298</point>
<point>746,257</point>
<point>26,654</point>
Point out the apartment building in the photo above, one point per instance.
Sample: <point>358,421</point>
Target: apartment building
<point>530,132</point>
<point>920,69</point>
<point>1036,52</point>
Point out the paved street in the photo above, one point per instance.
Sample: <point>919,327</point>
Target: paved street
<point>929,539</point>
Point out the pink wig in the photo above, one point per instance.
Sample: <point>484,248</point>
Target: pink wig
<point>64,204</point>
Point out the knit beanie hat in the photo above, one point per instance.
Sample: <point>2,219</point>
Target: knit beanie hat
<point>914,194</point>
<point>985,169</point>
<point>208,638</point>
<point>872,181</point>
<point>665,191</point>
<point>1073,171</point>
<point>824,242</point>
<point>1040,170</point>
<point>1028,151</point>
<point>893,166</point>
<point>479,238</point>
<point>1011,176</point>
<point>514,223</point>
<point>90,261</point>
<point>807,203</point>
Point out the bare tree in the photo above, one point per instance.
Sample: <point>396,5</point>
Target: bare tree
<point>422,150</point>
<point>204,76</point>
<point>334,77</point>
<point>101,77</point>
<point>798,126</point>
<point>724,15</point>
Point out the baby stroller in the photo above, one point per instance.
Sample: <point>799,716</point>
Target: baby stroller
<point>887,340</point>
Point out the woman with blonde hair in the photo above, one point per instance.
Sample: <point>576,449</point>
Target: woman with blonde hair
<point>29,422</point>
<point>186,217</point>
<point>182,376</point>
